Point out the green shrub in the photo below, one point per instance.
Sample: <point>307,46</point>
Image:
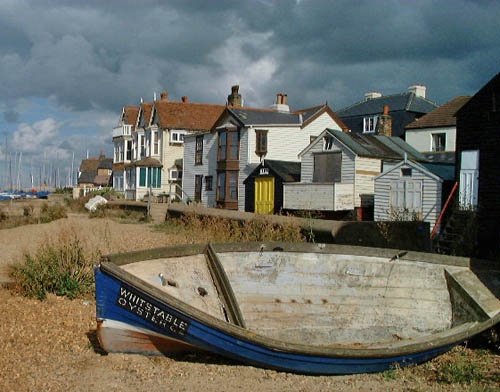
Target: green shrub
<point>63,267</point>
<point>49,213</point>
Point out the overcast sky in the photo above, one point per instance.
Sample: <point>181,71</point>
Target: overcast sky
<point>68,67</point>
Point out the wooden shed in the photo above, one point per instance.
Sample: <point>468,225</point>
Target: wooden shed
<point>264,185</point>
<point>412,191</point>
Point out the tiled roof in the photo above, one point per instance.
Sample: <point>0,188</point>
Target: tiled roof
<point>286,170</point>
<point>443,116</point>
<point>130,114</point>
<point>187,115</point>
<point>443,170</point>
<point>146,111</point>
<point>259,116</point>
<point>106,163</point>
<point>89,165</point>
<point>376,146</point>
<point>256,116</point>
<point>147,162</point>
<point>118,166</point>
<point>398,102</point>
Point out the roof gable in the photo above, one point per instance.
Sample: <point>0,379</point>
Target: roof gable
<point>415,166</point>
<point>187,115</point>
<point>443,116</point>
<point>371,146</point>
<point>397,102</point>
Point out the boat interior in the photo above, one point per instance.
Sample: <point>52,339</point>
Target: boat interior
<point>321,298</point>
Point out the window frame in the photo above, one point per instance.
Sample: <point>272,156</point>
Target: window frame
<point>209,183</point>
<point>261,142</point>
<point>440,146</point>
<point>370,124</point>
<point>198,150</point>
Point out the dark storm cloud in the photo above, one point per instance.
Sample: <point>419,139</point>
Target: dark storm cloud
<point>11,116</point>
<point>102,55</point>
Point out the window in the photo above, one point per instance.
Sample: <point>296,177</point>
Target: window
<point>261,142</point>
<point>177,137</point>
<point>156,142</point>
<point>175,174</point>
<point>198,179</point>
<point>221,186</point>
<point>155,173</point>
<point>142,143</point>
<point>406,172</point>
<point>198,154</point>
<point>369,124</point>
<point>209,183</point>
<point>228,146</point>
<point>438,141</point>
<point>327,143</point>
<point>233,185</point>
<point>327,167</point>
<point>150,176</point>
<point>128,144</point>
<point>142,176</point>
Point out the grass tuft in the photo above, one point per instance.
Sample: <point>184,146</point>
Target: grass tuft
<point>63,267</point>
<point>216,229</point>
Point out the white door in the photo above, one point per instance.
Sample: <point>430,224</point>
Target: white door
<point>469,179</point>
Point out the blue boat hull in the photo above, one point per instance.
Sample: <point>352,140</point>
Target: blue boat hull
<point>118,301</point>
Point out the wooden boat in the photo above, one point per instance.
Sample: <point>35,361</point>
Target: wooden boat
<point>307,308</point>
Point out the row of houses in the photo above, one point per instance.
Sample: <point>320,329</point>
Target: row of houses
<point>377,158</point>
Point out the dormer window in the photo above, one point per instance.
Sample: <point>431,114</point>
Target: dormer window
<point>177,137</point>
<point>369,124</point>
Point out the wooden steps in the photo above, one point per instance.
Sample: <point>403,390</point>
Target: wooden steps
<point>158,212</point>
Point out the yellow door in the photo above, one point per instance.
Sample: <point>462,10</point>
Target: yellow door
<point>264,195</point>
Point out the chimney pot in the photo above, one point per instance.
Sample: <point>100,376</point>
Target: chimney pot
<point>185,99</point>
<point>418,90</point>
<point>372,95</point>
<point>234,99</point>
<point>384,123</point>
<point>164,96</point>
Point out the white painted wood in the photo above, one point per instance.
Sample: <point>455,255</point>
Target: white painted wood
<point>421,139</point>
<point>469,178</point>
<point>318,196</point>
<point>322,299</point>
<point>190,170</point>
<point>431,187</point>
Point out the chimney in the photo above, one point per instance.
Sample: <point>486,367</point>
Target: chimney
<point>281,104</point>
<point>384,123</point>
<point>234,99</point>
<point>185,99</point>
<point>372,95</point>
<point>164,96</point>
<point>418,90</point>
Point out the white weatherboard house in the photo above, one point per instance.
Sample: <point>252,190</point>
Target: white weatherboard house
<point>411,191</point>
<point>434,134</point>
<point>216,163</point>
<point>338,170</point>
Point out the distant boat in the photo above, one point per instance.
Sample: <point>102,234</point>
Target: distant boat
<point>306,308</point>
